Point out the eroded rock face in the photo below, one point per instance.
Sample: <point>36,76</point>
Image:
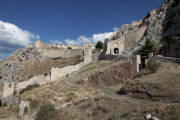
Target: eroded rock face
<point>30,53</point>
<point>14,67</point>
<point>9,71</point>
<point>156,26</point>
<point>10,68</point>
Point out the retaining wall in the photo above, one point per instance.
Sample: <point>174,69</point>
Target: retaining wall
<point>168,59</point>
<point>61,72</point>
<point>113,57</point>
<point>41,80</point>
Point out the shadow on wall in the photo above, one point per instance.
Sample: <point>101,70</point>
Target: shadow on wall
<point>103,56</point>
<point>170,43</point>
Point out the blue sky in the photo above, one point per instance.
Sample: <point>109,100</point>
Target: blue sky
<point>65,21</point>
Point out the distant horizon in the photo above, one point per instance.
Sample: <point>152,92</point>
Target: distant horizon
<point>66,21</point>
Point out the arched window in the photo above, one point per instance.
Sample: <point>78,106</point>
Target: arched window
<point>116,51</point>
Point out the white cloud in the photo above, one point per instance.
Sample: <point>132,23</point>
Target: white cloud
<point>101,36</point>
<point>79,41</point>
<point>116,28</point>
<point>13,37</point>
<point>10,34</point>
<point>94,39</point>
<point>55,42</point>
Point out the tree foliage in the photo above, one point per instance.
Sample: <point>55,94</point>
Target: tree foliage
<point>99,45</point>
<point>149,47</point>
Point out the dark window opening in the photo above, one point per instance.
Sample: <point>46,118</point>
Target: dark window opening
<point>45,74</point>
<point>116,50</point>
<point>83,52</point>
<point>1,103</point>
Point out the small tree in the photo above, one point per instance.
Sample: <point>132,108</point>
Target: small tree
<point>99,45</point>
<point>47,112</point>
<point>69,48</point>
<point>149,47</point>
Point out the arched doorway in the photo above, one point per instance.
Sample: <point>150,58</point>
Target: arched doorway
<point>116,51</point>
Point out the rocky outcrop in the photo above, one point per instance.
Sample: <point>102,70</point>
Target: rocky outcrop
<point>30,53</point>
<point>157,25</point>
<point>9,71</point>
<point>38,59</point>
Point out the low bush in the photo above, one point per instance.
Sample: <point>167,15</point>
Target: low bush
<point>153,65</point>
<point>30,87</point>
<point>47,112</point>
<point>122,91</point>
<point>69,48</point>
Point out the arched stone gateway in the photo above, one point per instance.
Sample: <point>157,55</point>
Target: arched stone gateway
<point>116,51</point>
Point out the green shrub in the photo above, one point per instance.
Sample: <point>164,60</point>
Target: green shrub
<point>47,112</point>
<point>30,87</point>
<point>99,45</point>
<point>149,47</point>
<point>123,91</point>
<point>69,48</point>
<point>153,65</point>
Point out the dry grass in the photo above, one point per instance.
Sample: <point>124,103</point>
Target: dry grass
<point>104,103</point>
<point>1,87</point>
<point>162,85</point>
<point>7,113</point>
<point>59,92</point>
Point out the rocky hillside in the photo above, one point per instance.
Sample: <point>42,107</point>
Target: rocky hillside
<point>160,25</point>
<point>27,62</point>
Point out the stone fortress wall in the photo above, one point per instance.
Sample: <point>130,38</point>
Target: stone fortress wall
<point>66,71</point>
<point>12,88</point>
<point>58,50</point>
<point>167,59</point>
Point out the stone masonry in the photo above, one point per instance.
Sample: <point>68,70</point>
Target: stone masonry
<point>11,89</point>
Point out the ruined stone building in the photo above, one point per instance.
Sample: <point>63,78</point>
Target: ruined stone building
<point>160,25</point>
<point>124,39</point>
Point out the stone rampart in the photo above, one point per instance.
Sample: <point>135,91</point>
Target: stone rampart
<point>63,53</point>
<point>168,59</point>
<point>11,90</point>
<point>66,71</point>
<point>113,57</point>
<point>41,80</point>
